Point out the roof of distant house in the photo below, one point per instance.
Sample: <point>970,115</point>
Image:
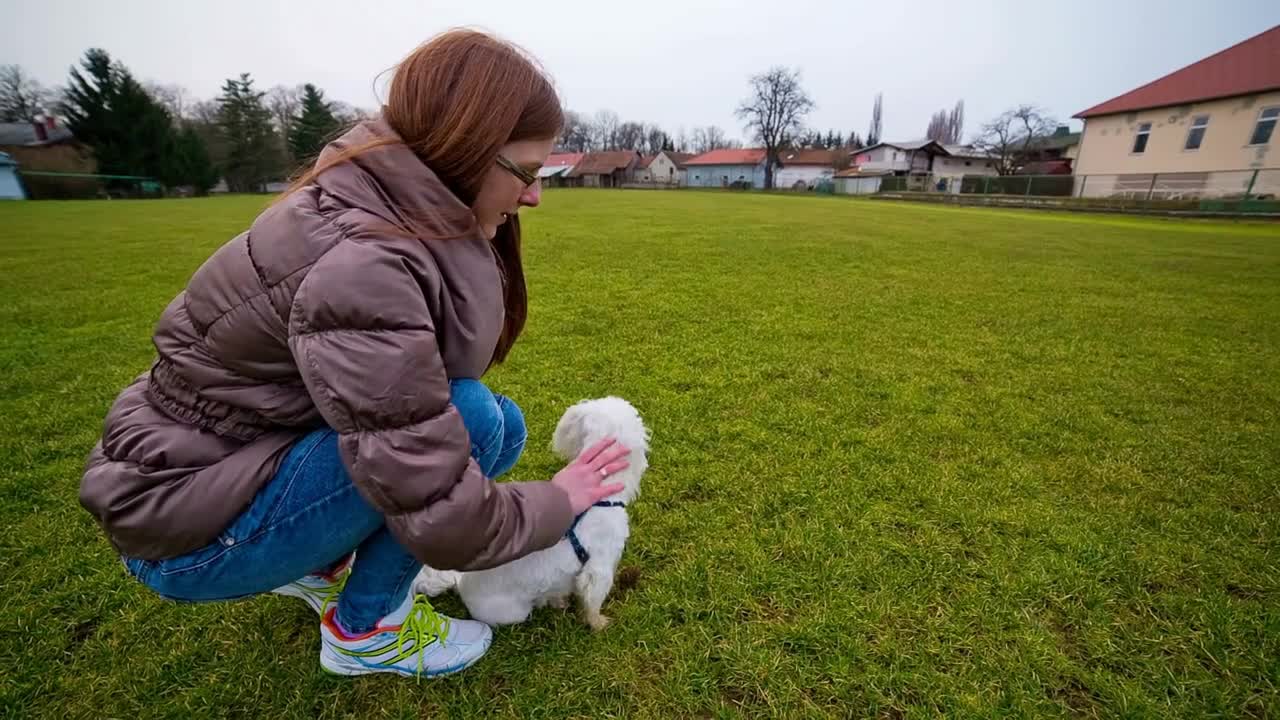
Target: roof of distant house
<point>646,160</point>
<point>604,163</point>
<point>1248,67</point>
<point>679,158</point>
<point>964,151</point>
<point>854,172</point>
<point>908,145</point>
<point>809,156</point>
<point>24,133</point>
<point>740,156</point>
<point>569,159</point>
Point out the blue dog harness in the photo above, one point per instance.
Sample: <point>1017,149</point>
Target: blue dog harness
<point>581,552</point>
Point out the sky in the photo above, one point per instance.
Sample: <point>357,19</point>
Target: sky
<point>674,63</point>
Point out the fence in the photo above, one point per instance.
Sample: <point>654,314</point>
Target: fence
<point>1225,191</point>
<point>42,185</point>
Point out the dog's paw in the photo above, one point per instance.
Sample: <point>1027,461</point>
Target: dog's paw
<point>597,621</point>
<point>431,582</point>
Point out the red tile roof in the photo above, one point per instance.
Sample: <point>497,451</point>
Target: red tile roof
<point>604,163</point>
<point>558,159</point>
<point>1249,67</point>
<point>747,156</point>
<point>646,160</point>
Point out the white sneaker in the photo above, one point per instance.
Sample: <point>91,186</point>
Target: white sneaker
<point>319,590</point>
<point>413,640</point>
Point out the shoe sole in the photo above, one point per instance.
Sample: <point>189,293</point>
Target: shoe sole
<point>335,665</point>
<point>290,591</point>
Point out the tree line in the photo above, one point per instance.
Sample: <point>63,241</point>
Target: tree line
<point>246,136</point>
<point>249,137</point>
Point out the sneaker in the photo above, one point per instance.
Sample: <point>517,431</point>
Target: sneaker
<point>414,640</point>
<point>321,589</point>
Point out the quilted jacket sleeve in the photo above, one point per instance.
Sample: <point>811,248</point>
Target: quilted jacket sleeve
<point>362,335</point>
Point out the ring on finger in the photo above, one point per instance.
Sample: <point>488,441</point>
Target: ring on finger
<point>604,472</point>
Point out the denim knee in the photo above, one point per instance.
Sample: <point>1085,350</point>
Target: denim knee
<point>480,414</point>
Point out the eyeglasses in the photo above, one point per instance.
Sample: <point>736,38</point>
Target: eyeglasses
<point>525,176</point>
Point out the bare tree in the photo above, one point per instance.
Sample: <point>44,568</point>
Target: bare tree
<point>711,137</point>
<point>605,130</point>
<point>349,114</point>
<point>22,98</point>
<point>955,123</point>
<point>1008,138</point>
<point>657,140</point>
<point>937,130</point>
<point>174,98</point>
<point>877,120</point>
<point>682,140</point>
<point>576,136</point>
<point>774,112</point>
<point>630,136</point>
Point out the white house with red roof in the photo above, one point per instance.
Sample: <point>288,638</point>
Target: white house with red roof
<point>742,167</point>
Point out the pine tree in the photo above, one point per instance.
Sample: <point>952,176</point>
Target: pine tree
<point>314,126</point>
<point>252,151</point>
<point>191,163</point>
<point>108,110</point>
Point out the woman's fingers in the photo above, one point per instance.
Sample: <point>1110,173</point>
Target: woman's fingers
<point>609,456</point>
<point>605,491</point>
<point>588,455</point>
<point>614,467</point>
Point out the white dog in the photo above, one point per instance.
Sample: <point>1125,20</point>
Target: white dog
<point>583,563</point>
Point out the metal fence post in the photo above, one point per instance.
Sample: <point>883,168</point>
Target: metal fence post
<point>1028,192</point>
<point>1252,179</point>
<point>1083,179</point>
<point>1151,190</point>
<point>986,184</point>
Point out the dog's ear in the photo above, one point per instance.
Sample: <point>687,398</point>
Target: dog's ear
<point>570,433</point>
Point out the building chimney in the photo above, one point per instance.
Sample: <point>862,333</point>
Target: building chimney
<point>42,134</point>
<point>50,123</point>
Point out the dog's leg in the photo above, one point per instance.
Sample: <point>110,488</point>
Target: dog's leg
<point>593,585</point>
<point>559,602</point>
<point>432,582</point>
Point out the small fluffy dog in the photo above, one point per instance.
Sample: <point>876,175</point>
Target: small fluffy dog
<point>507,594</point>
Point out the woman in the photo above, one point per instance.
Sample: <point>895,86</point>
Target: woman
<point>317,391</point>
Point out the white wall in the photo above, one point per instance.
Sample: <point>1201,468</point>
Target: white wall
<point>959,166</point>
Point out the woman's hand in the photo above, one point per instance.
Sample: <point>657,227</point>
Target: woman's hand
<point>583,479</point>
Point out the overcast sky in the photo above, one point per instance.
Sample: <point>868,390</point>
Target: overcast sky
<point>682,63</point>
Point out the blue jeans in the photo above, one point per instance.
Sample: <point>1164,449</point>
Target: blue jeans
<point>310,515</point>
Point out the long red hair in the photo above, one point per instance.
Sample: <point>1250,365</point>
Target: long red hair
<point>455,101</point>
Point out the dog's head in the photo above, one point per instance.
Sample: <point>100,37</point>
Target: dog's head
<point>590,421</point>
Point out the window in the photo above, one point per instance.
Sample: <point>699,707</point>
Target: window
<point>1140,141</point>
<point>967,163</point>
<point>1266,123</point>
<point>1196,135</point>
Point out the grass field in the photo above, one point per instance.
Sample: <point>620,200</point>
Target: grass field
<point>907,461</point>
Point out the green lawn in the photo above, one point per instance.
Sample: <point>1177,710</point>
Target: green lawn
<point>907,461</point>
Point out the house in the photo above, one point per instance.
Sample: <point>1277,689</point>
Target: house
<point>45,145</point>
<point>605,169</point>
<point>558,165</point>
<point>802,169</point>
<point>1053,155</point>
<point>959,161</point>
<point>853,181</point>
<point>10,185</point>
<point>665,168</point>
<point>1213,121</point>
<point>900,158</point>
<point>727,168</point>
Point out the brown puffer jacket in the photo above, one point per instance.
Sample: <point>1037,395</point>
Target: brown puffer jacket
<point>351,303</point>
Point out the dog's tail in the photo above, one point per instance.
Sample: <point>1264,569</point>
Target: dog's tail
<point>432,582</point>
